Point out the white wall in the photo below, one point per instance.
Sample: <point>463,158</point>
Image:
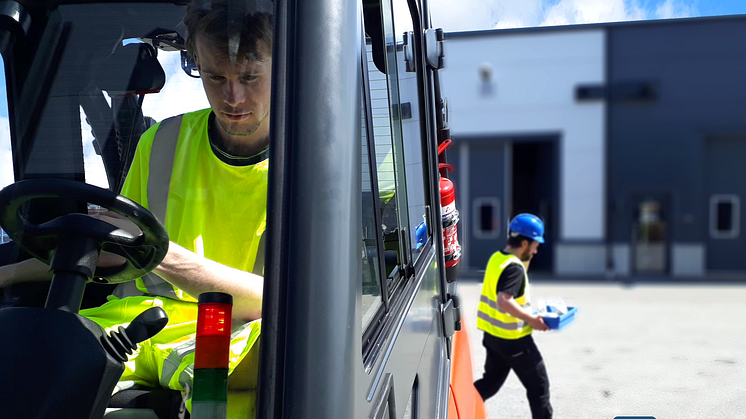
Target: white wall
<point>532,91</point>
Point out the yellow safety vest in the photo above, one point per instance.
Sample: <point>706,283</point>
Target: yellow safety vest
<point>211,208</point>
<point>490,318</point>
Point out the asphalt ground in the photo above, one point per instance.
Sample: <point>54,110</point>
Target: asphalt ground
<point>669,351</point>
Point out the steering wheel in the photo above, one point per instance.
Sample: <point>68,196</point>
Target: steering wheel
<point>142,252</point>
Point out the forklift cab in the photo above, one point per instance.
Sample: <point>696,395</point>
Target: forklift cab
<point>359,318</point>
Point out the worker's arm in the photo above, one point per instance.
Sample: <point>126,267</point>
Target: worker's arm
<point>29,270</point>
<point>195,274</point>
<point>507,304</point>
<point>190,272</point>
<point>186,270</point>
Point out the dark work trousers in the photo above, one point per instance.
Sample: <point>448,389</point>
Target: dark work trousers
<point>523,357</point>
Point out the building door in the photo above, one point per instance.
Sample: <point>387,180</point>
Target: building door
<point>650,234</point>
<point>724,212</point>
<point>534,190</point>
<point>484,180</point>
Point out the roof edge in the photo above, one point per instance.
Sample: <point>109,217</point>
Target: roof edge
<point>591,26</point>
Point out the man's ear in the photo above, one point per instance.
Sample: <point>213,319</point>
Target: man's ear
<point>197,63</point>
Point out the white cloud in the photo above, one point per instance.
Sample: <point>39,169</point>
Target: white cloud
<point>518,13</point>
<point>673,9</point>
<point>181,93</point>
<point>568,12</point>
<point>92,163</point>
<point>463,15</point>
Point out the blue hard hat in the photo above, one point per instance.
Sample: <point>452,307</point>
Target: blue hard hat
<point>528,225</point>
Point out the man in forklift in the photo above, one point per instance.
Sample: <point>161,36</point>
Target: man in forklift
<point>213,194</point>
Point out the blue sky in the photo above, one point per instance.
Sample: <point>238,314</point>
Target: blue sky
<point>722,7</point>
<point>3,95</point>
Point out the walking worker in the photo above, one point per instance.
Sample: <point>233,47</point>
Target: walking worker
<point>506,317</point>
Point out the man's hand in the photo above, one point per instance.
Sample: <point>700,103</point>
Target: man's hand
<point>32,270</point>
<point>507,304</point>
<point>6,275</point>
<point>116,220</point>
<point>537,323</point>
<point>107,259</point>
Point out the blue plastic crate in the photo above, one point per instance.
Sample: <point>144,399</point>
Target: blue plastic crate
<point>561,321</point>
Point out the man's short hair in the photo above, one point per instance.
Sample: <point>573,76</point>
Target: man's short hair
<point>515,239</point>
<point>223,22</point>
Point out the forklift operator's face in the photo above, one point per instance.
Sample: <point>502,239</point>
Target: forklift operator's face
<point>238,92</point>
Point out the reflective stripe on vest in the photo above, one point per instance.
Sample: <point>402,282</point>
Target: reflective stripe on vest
<point>490,317</point>
<point>159,180</point>
<point>177,361</point>
<point>495,322</point>
<point>159,169</point>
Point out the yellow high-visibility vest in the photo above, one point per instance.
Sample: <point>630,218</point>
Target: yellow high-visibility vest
<point>214,209</point>
<point>490,318</point>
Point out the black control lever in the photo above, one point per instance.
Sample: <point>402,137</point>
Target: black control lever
<point>147,324</point>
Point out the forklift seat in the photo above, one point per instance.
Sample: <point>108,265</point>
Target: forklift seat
<point>132,69</point>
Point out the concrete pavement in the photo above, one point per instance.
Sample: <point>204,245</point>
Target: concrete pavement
<point>668,351</point>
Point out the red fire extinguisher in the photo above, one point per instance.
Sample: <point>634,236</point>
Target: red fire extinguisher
<point>450,218</point>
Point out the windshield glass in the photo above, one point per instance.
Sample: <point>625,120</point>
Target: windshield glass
<point>6,156</point>
<point>180,94</point>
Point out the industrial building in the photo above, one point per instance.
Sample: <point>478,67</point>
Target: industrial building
<point>629,139</point>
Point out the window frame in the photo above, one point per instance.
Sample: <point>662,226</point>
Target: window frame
<point>478,203</point>
<point>373,173</point>
<point>399,286</point>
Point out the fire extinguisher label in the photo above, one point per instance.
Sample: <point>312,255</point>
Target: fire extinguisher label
<point>448,209</point>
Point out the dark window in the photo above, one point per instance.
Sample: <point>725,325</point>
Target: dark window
<point>725,216</point>
<point>486,218</point>
<point>590,92</point>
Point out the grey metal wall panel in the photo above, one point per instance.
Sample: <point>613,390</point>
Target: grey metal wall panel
<point>699,68</point>
<point>725,183</point>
